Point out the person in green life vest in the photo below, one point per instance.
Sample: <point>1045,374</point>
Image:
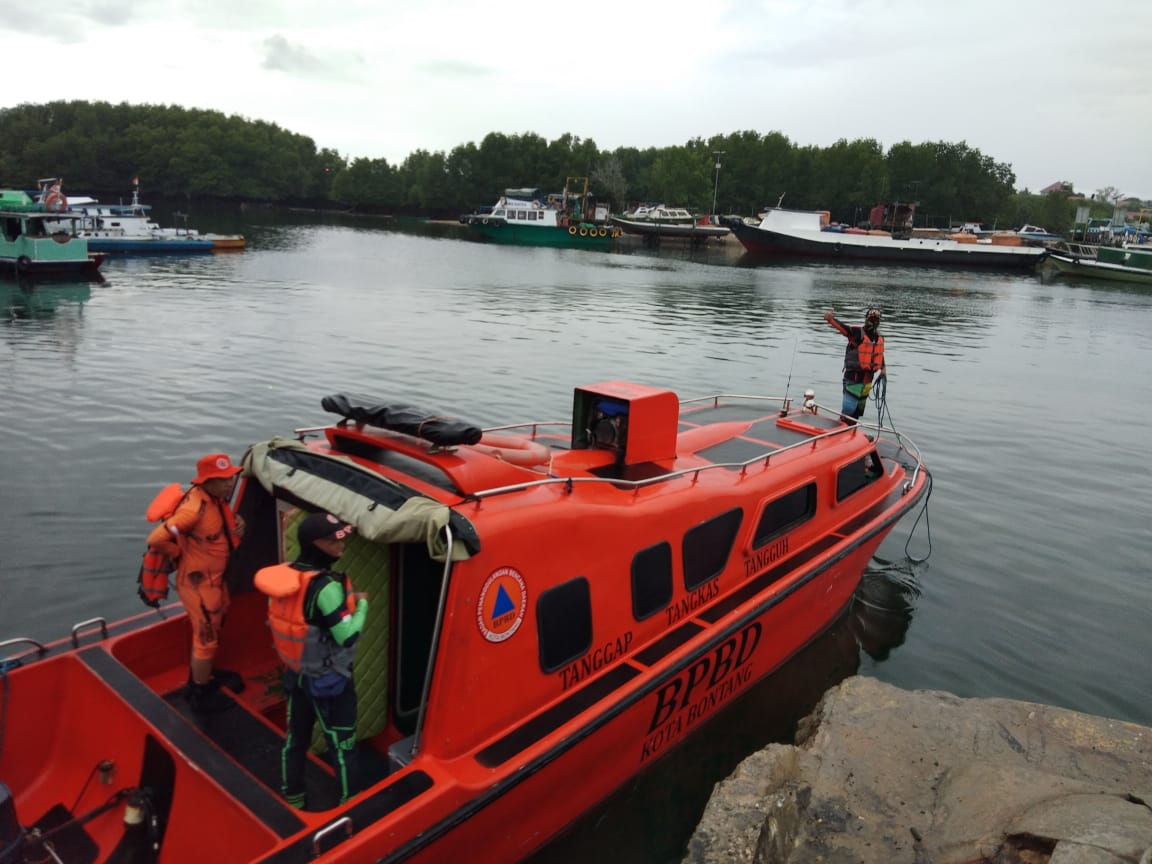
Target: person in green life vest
<point>863,359</point>
<point>316,619</point>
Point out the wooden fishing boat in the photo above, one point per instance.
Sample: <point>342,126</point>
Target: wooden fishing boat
<point>554,606</point>
<point>37,241</point>
<point>1113,263</point>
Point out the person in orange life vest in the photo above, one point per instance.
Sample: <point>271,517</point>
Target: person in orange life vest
<point>316,619</point>
<point>863,358</point>
<point>201,533</point>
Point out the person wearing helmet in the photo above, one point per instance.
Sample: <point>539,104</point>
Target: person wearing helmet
<point>863,361</point>
<point>201,533</point>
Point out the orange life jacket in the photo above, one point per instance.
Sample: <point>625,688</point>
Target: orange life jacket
<point>865,356</point>
<point>152,580</point>
<point>302,647</point>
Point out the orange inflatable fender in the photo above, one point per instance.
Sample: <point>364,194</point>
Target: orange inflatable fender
<point>514,449</point>
<point>165,503</point>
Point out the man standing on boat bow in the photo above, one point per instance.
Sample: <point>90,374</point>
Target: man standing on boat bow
<point>316,619</point>
<point>203,531</point>
<point>863,358</point>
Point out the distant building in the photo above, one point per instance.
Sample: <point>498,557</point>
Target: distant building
<point>1058,186</point>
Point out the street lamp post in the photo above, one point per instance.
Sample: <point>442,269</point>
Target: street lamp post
<point>716,187</point>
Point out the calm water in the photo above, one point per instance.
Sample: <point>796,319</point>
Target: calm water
<point>1030,401</point>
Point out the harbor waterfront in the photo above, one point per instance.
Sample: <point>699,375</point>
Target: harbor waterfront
<point>1027,400</point>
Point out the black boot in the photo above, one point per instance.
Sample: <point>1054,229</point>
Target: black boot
<point>234,681</point>
<point>207,698</point>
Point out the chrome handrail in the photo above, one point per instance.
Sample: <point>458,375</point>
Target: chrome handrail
<point>434,645</point>
<point>904,441</point>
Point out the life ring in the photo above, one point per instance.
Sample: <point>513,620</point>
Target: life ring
<point>603,232</point>
<point>55,200</point>
<point>514,450</point>
<point>23,263</point>
<point>583,232</point>
<point>484,220</point>
<point>572,230</point>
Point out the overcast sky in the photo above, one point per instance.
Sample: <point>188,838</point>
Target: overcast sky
<point>1058,89</point>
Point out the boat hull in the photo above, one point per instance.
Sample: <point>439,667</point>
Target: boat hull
<point>678,231</point>
<point>23,266</point>
<point>922,252</point>
<point>148,246</point>
<point>1090,269</point>
<point>577,237</point>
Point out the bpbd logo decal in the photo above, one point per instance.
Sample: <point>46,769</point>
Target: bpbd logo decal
<point>503,599</point>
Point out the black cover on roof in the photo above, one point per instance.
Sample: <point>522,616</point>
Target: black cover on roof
<point>408,419</point>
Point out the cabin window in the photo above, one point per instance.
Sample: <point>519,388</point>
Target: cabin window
<point>856,475</point>
<point>521,215</point>
<point>706,547</point>
<point>785,513</point>
<point>651,580</point>
<point>564,623</point>
<point>497,212</point>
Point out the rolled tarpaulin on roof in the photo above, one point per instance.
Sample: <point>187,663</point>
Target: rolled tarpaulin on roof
<point>400,417</point>
<point>381,510</point>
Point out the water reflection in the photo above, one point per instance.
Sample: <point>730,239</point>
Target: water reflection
<point>653,816</point>
<point>30,299</point>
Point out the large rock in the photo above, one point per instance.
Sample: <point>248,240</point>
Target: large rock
<point>884,775</point>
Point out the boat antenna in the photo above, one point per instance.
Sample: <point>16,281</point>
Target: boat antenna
<point>780,200</point>
<point>791,366</point>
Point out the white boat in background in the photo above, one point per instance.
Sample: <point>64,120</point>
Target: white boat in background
<point>658,220</point>
<point>808,235</point>
<point>1036,234</point>
<point>130,229</point>
<point>659,214</point>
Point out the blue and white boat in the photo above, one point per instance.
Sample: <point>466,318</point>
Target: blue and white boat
<point>130,229</point>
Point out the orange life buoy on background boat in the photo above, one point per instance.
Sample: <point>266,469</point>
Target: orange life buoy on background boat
<point>55,200</point>
<point>514,449</point>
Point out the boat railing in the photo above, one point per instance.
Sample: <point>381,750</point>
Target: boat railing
<point>905,444</point>
<point>1076,250</point>
<point>903,441</point>
<point>534,426</point>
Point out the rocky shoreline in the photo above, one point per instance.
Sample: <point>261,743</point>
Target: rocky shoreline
<point>884,775</point>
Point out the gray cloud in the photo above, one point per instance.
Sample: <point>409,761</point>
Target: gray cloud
<point>296,61</point>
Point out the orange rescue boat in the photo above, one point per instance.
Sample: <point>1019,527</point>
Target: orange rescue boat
<point>541,628</point>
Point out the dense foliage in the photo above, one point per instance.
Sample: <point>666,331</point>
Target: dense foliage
<point>99,147</point>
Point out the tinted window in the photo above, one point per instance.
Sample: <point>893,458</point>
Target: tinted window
<point>706,547</point>
<point>564,623</point>
<point>785,513</point>
<point>651,580</point>
<point>856,475</point>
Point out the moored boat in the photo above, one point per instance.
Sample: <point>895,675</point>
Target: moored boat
<point>524,217</point>
<point>35,241</point>
<point>130,229</point>
<point>656,221</point>
<point>1113,263</point>
<point>806,234</point>
<point>554,606</point>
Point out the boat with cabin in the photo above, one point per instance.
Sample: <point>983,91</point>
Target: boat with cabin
<point>121,229</point>
<point>658,221</point>
<point>1130,263</point>
<point>37,241</point>
<point>810,235</point>
<point>554,606</point>
<point>524,217</point>
<point>1036,234</point>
